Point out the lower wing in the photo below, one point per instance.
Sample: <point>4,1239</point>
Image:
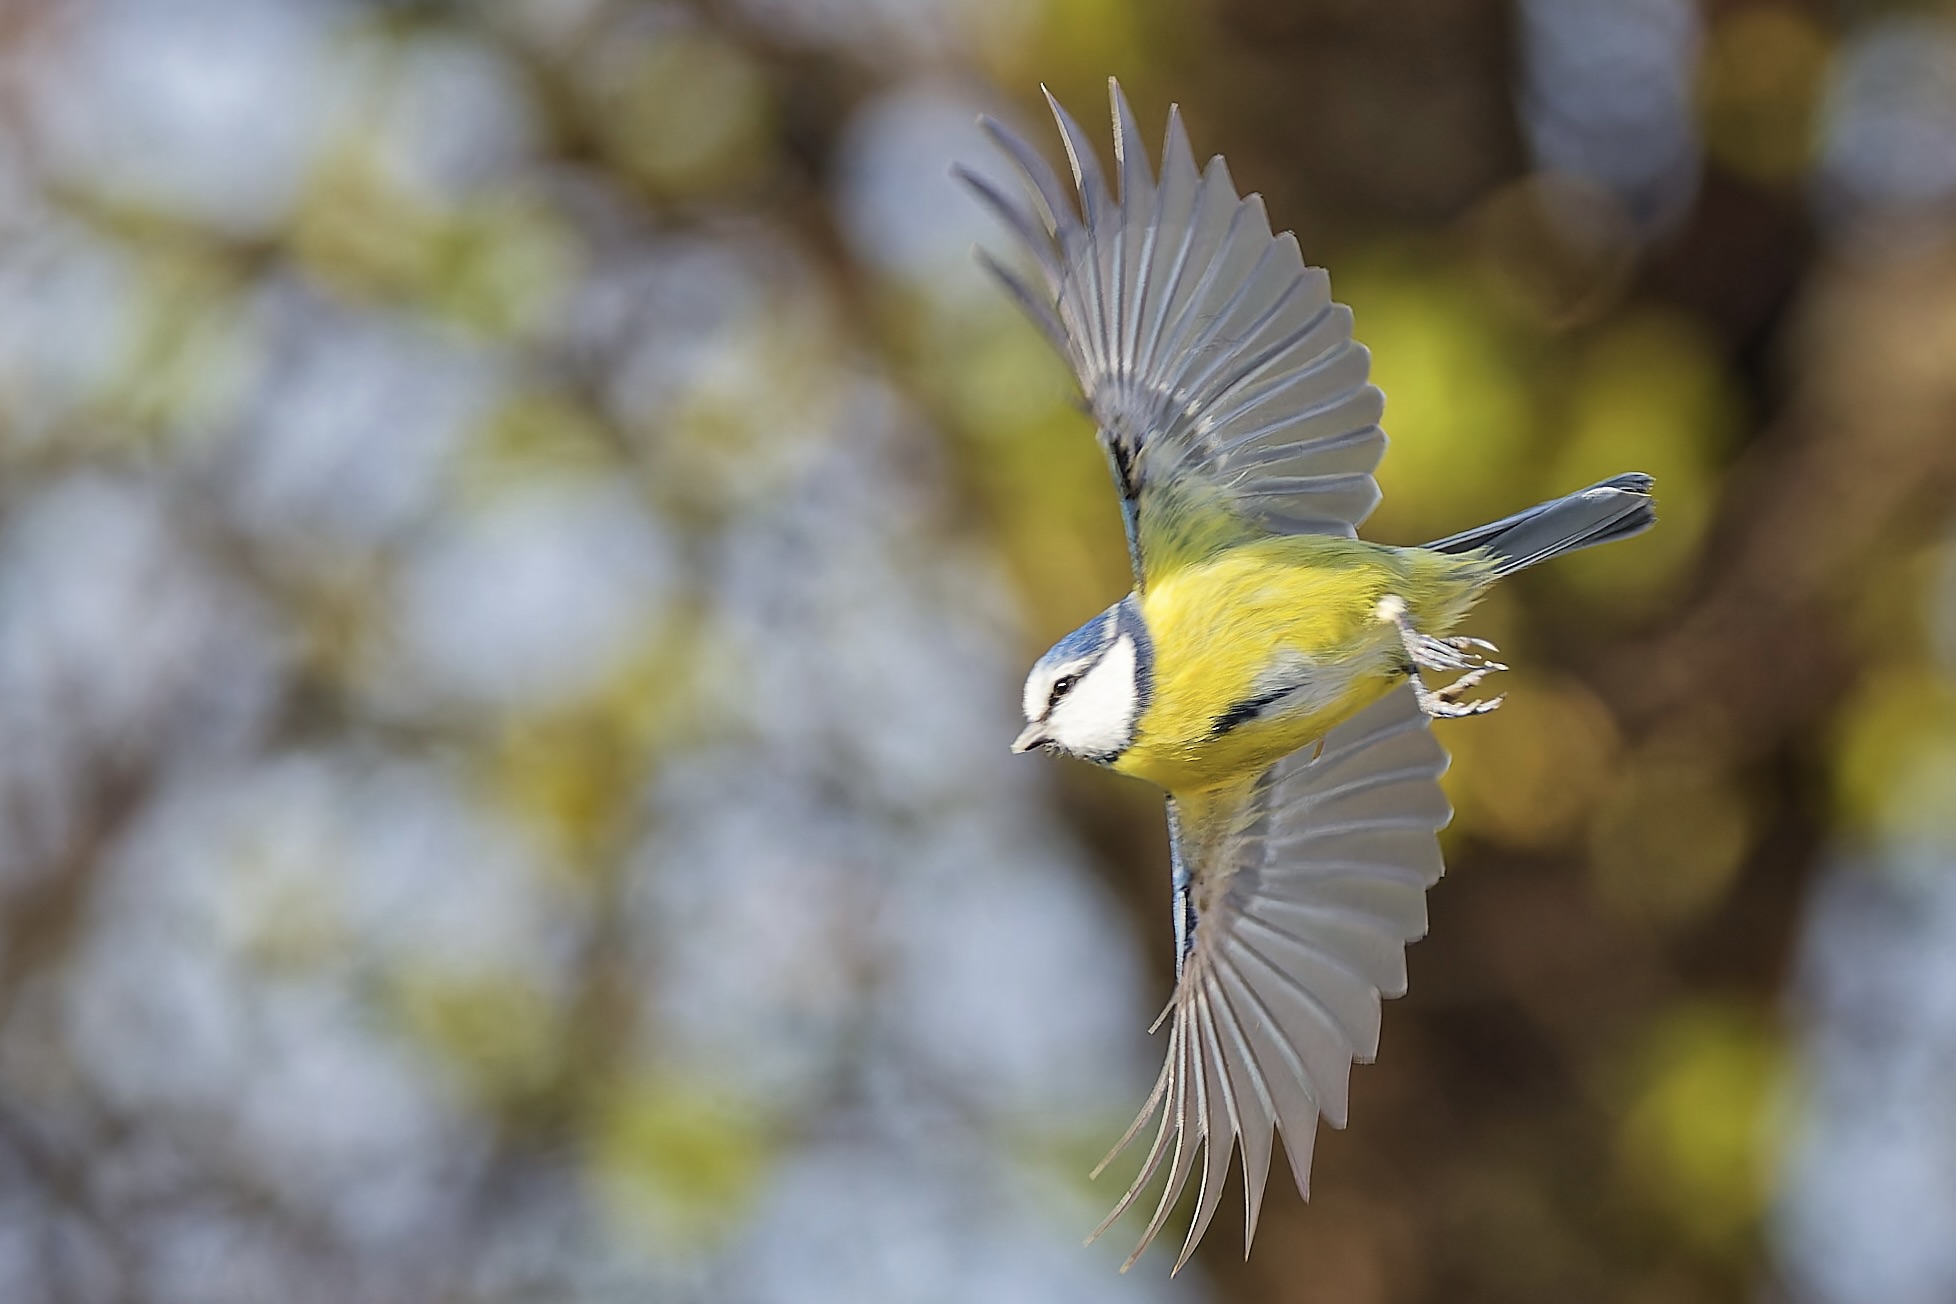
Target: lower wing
<point>1314,881</point>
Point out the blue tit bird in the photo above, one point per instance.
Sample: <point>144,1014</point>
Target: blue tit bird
<point>1269,668</point>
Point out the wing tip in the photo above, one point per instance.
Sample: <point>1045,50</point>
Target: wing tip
<point>1116,299</point>
<point>1130,154</point>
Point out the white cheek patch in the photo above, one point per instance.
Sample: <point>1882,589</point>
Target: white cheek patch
<point>1097,717</point>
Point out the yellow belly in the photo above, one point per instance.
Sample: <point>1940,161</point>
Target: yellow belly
<point>1190,764</point>
<point>1222,627</point>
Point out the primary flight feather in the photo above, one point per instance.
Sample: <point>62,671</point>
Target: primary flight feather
<point>1266,669</point>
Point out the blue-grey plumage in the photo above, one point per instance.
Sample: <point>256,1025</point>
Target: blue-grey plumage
<point>1265,670</point>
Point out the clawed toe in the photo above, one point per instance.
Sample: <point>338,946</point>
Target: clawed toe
<point>1446,655</point>
<point>1452,691</point>
<point>1440,706</point>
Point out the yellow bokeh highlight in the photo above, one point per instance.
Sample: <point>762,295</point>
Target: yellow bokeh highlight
<point>1646,394</point>
<point>184,354</point>
<point>498,1035</point>
<point>1895,753</point>
<point>535,438</point>
<point>676,1162</point>
<point>1458,406</point>
<point>686,112</point>
<point>1699,1140</point>
<point>501,264</point>
<point>1026,451</point>
<point>573,778</point>
<point>567,780</point>
<point>1075,44</point>
<point>1058,520</point>
<point>494,265</point>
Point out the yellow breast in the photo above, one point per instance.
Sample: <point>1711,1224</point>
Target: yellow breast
<point>1297,608</point>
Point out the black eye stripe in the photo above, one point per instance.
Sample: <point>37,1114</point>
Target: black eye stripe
<point>1062,686</point>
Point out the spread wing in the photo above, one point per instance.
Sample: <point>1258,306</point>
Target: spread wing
<point>1229,393</point>
<point>1294,903</point>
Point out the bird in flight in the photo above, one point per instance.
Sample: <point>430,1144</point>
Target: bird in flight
<point>1270,669</point>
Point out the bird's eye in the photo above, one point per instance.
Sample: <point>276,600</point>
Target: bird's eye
<point>1063,685</point>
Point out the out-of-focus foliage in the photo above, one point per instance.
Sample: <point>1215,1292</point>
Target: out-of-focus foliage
<point>520,524</point>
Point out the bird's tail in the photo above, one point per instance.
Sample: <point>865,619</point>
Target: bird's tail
<point>1615,509</point>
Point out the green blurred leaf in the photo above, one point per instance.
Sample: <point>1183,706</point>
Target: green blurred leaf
<point>686,112</point>
<point>1649,394</point>
<point>1895,754</point>
<point>496,1032</point>
<point>1700,1139</point>
<point>675,1161</point>
<point>1458,405</point>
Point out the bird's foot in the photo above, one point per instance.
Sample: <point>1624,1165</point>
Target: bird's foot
<point>1440,703</point>
<point>1449,654</point>
<point>1445,655</point>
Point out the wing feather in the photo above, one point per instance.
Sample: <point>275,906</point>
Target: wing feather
<point>1221,1122</point>
<point>1256,1117</point>
<point>1187,1098</point>
<point>1313,882</point>
<point>1102,286</point>
<point>1299,1015</point>
<point>1211,356</point>
<point>1295,1103</point>
<point>1138,227</point>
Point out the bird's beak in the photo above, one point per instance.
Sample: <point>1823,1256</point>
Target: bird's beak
<point>1030,739</point>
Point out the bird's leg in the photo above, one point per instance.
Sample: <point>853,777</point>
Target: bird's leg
<point>1423,650</point>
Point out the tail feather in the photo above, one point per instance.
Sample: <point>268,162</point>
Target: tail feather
<point>1615,509</point>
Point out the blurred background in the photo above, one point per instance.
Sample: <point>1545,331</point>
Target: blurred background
<point>521,525</point>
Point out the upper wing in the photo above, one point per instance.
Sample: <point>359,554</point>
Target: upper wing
<point>1294,904</point>
<point>1224,380</point>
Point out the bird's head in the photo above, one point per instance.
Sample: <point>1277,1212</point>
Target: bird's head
<point>1086,694</point>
